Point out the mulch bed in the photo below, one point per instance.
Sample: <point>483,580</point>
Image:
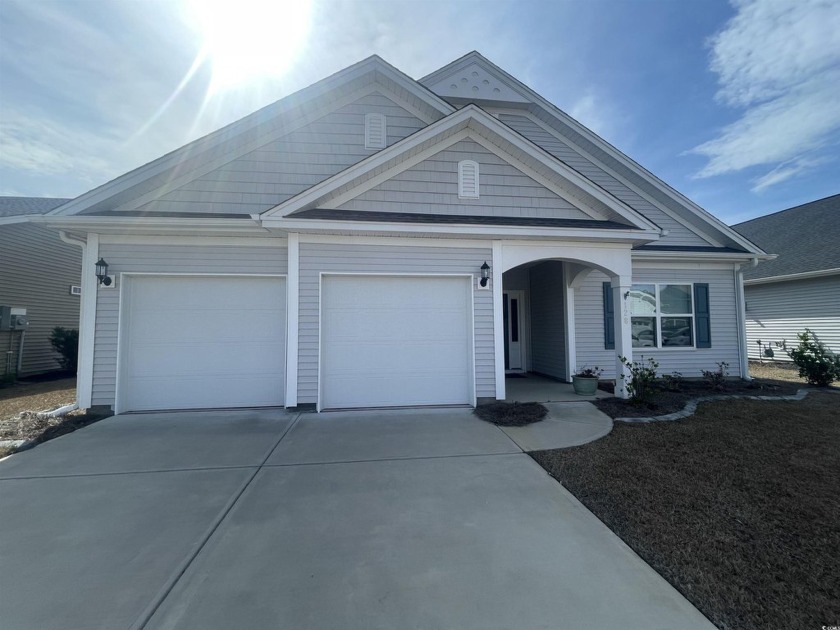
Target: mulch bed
<point>511,414</point>
<point>665,402</point>
<point>738,506</point>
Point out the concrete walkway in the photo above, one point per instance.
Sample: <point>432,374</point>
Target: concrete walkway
<point>535,388</point>
<point>408,519</point>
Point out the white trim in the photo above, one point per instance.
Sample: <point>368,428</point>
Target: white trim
<point>468,169</point>
<point>292,319</point>
<point>571,342</point>
<point>87,322</point>
<point>682,265</point>
<point>17,219</point>
<point>498,320</point>
<point>392,240</point>
<point>805,275</point>
<point>467,276</point>
<point>645,255</point>
<point>209,241</point>
<point>126,278</point>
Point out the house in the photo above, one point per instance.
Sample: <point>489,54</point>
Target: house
<point>38,274</point>
<point>376,241</point>
<point>801,288</point>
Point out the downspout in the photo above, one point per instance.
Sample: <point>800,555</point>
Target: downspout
<point>741,319</point>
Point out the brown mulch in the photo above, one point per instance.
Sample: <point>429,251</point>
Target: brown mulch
<point>511,414</point>
<point>738,506</point>
<point>36,396</point>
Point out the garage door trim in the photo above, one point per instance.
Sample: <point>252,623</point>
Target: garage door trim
<point>469,278</point>
<point>122,278</point>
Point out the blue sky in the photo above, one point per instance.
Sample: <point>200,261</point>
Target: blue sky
<point>736,105</point>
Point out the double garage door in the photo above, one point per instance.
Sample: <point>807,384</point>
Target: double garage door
<point>191,342</point>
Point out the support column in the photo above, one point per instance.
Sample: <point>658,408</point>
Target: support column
<point>569,302</point>
<point>87,323</point>
<point>292,316</point>
<point>497,270</point>
<point>621,286</point>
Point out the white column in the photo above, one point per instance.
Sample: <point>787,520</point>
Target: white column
<point>292,313</point>
<point>497,270</point>
<point>621,286</point>
<point>87,322</point>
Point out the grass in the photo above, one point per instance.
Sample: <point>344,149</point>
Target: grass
<point>738,506</point>
<point>511,414</point>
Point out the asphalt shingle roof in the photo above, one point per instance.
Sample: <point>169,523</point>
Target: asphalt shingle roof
<point>806,238</point>
<point>20,206</point>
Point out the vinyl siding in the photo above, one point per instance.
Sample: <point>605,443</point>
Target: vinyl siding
<point>283,168</point>
<point>589,321</point>
<point>385,259</point>
<point>38,269</point>
<point>548,320</point>
<point>779,310</point>
<point>431,187</point>
<point>164,259</point>
<point>678,234</point>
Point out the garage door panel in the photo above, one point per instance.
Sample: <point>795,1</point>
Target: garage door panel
<point>202,341</point>
<point>396,341</point>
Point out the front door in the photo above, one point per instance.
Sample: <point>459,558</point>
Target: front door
<point>513,330</point>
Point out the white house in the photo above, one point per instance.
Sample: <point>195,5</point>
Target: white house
<point>801,288</point>
<point>374,240</point>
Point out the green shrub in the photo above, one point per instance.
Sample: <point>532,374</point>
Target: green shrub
<point>673,382</point>
<point>819,365</point>
<point>65,341</point>
<point>717,379</point>
<point>640,386</point>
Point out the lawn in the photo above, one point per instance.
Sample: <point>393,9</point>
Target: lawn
<point>737,506</point>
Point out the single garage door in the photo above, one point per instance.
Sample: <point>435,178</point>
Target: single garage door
<point>389,341</point>
<point>191,342</point>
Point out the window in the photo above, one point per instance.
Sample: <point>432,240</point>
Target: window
<point>468,179</point>
<point>662,315</point>
<point>376,131</point>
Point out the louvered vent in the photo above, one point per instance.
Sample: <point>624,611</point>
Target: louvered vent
<point>375,131</point>
<point>468,179</point>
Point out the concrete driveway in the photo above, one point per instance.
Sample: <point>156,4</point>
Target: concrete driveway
<point>268,519</point>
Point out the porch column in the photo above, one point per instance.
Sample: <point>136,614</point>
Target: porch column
<point>621,286</point>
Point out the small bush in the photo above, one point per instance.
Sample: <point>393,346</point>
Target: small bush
<point>819,365</point>
<point>65,341</point>
<point>640,386</point>
<point>673,382</point>
<point>717,379</point>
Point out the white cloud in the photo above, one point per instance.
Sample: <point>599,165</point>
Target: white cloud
<point>590,111</point>
<point>780,62</point>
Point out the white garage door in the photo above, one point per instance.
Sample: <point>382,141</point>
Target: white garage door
<point>190,342</point>
<point>395,341</point>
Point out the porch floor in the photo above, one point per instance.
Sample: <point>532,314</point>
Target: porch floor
<point>534,388</point>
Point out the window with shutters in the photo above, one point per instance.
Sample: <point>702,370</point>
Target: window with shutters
<point>468,179</point>
<point>376,131</point>
<point>662,315</point>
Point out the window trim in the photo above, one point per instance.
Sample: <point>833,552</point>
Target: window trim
<point>658,315</point>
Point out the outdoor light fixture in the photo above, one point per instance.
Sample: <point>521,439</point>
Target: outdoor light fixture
<point>102,272</point>
<point>485,274</point>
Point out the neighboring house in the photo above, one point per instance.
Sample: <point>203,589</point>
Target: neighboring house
<point>330,250</point>
<point>801,288</point>
<point>37,271</point>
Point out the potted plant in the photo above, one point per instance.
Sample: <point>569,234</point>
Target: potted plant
<point>585,381</point>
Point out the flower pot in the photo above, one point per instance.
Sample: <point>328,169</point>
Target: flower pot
<point>585,385</point>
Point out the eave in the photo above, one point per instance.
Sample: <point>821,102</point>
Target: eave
<point>805,275</point>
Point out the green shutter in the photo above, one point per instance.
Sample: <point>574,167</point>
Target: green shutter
<point>609,318</point>
<point>703,322</point>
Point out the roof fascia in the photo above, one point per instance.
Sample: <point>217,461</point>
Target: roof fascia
<point>153,225</point>
<point>373,64</point>
<point>660,256</point>
<point>552,109</point>
<point>18,218</point>
<point>805,275</point>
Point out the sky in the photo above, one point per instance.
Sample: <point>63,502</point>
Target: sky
<point>734,104</point>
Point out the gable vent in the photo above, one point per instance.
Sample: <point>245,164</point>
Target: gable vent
<point>375,131</point>
<point>468,179</point>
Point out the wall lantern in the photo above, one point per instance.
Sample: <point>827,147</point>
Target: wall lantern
<point>102,272</point>
<point>485,274</point>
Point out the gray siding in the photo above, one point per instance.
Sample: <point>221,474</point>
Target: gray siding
<point>589,321</point>
<point>431,187</point>
<point>678,233</point>
<point>384,259</point>
<point>283,168</point>
<point>778,311</point>
<point>165,259</point>
<point>36,271</point>
<point>548,320</point>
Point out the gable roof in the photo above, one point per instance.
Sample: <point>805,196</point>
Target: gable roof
<point>806,239</point>
<point>231,141</point>
<point>470,121</point>
<point>587,141</point>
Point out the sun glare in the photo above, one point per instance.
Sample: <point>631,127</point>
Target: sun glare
<point>249,39</point>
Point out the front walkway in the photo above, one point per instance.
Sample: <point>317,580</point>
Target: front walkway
<point>535,388</point>
<point>266,519</point>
